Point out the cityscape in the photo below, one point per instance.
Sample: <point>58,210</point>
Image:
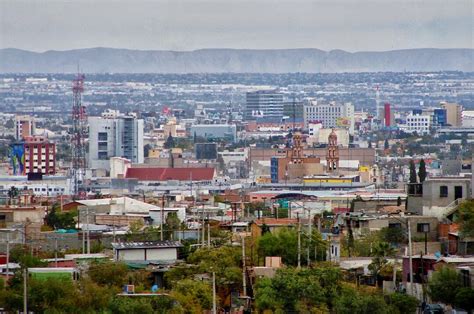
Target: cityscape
<point>230,185</point>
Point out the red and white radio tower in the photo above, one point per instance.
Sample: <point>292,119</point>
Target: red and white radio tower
<point>78,136</point>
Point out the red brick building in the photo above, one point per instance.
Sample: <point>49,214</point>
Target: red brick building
<point>40,155</point>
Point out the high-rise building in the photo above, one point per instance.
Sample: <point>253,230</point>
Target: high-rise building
<point>115,135</point>
<point>439,117</point>
<point>389,117</point>
<point>35,155</point>
<point>331,115</point>
<point>24,127</point>
<point>264,104</point>
<point>453,113</point>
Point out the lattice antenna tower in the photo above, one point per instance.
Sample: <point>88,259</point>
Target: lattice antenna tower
<point>78,136</point>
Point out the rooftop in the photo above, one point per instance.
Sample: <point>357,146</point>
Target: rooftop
<point>146,245</point>
<point>165,174</point>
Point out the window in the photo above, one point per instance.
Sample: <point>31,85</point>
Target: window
<point>395,225</point>
<point>102,145</point>
<point>102,155</point>
<point>102,136</point>
<point>423,227</point>
<point>443,191</point>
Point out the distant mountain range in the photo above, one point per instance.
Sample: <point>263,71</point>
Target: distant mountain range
<point>109,60</point>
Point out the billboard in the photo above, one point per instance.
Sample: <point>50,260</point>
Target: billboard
<point>343,122</point>
<point>17,158</point>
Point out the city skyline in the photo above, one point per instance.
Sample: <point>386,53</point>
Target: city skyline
<point>190,25</point>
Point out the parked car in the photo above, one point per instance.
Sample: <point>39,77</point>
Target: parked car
<point>433,309</point>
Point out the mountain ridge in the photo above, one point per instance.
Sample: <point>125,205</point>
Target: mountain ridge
<point>230,60</point>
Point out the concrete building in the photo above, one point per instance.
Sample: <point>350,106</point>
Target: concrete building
<point>331,115</point>
<point>264,103</point>
<point>40,156</point>
<point>24,127</point>
<point>438,196</point>
<point>153,251</point>
<point>418,123</point>
<point>453,113</point>
<point>215,131</point>
<point>114,135</point>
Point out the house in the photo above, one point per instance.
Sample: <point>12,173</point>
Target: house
<point>152,251</point>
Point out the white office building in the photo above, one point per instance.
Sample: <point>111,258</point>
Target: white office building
<point>114,135</point>
<point>417,123</point>
<point>330,115</point>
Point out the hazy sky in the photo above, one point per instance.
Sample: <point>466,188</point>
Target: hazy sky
<point>352,25</point>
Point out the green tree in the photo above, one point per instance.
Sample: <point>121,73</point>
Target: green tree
<point>422,171</point>
<point>412,172</point>
<point>392,235</point>
<point>404,303</point>
<point>192,296</point>
<point>51,295</point>
<point>12,194</point>
<point>169,143</point>
<point>444,285</point>
<point>465,299</point>
<point>109,274</point>
<point>60,220</point>
<point>350,301</point>
<point>465,218</point>
<point>380,252</point>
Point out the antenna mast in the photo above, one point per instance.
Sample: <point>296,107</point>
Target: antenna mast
<point>78,136</point>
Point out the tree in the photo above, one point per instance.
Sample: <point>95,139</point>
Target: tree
<point>12,193</point>
<point>193,296</point>
<point>60,220</point>
<point>146,150</point>
<point>403,302</point>
<point>169,142</point>
<point>465,218</point>
<point>444,285</point>
<point>412,172</point>
<point>422,171</point>
<point>110,274</point>
<point>350,301</point>
<point>465,299</point>
<point>392,235</point>
<point>380,252</point>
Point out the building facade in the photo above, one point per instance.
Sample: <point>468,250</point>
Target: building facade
<point>453,113</point>
<point>418,123</point>
<point>40,156</point>
<point>331,115</point>
<point>264,103</point>
<point>115,135</point>
<point>24,127</point>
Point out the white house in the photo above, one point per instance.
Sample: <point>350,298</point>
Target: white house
<point>150,251</point>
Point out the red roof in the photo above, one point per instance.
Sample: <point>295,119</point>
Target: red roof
<point>165,174</point>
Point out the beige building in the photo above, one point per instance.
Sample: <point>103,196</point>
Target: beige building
<point>453,113</point>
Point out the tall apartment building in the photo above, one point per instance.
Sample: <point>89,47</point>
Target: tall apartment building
<point>265,104</point>
<point>453,113</point>
<point>114,135</point>
<point>40,155</point>
<point>24,127</point>
<point>331,115</point>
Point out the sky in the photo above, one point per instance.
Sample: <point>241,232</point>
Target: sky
<point>352,25</point>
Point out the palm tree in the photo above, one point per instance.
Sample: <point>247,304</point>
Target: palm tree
<point>380,252</point>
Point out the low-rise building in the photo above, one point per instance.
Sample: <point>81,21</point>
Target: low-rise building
<point>152,251</point>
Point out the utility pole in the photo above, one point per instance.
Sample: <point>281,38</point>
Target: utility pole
<point>25,291</point>
<point>310,230</point>
<point>244,283</point>
<point>214,304</point>
<point>88,232</point>
<point>208,233</point>
<point>8,258</point>
<point>162,216</point>
<point>410,257</point>
<point>56,251</point>
<point>203,227</point>
<point>299,243</point>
